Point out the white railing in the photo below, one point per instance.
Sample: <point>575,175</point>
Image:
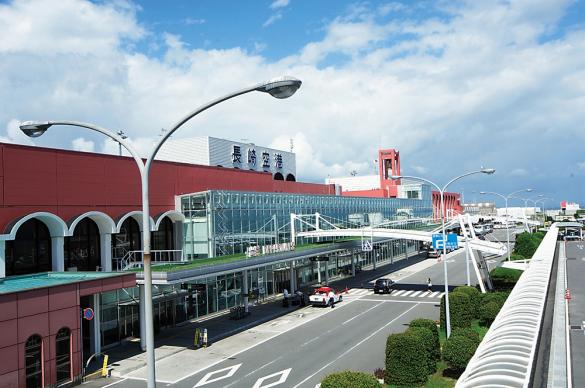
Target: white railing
<point>133,259</point>
<point>505,356</point>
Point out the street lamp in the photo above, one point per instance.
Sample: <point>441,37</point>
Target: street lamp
<point>506,197</point>
<point>281,87</point>
<point>526,200</point>
<point>544,199</point>
<point>488,171</point>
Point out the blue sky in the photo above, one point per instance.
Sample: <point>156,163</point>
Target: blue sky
<point>453,84</point>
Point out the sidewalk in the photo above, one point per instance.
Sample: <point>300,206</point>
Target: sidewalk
<point>128,357</point>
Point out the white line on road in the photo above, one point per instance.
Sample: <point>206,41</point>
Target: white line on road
<point>416,293</point>
<point>354,346</point>
<point>283,376</point>
<point>399,293</point>
<point>425,294</point>
<point>407,293</point>
<point>363,312</point>
<point>394,301</point>
<point>114,383</point>
<point>254,371</point>
<point>208,378</point>
<point>434,294</point>
<point>309,341</point>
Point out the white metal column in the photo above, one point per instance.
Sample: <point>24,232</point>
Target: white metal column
<point>106,251</point>
<point>58,253</point>
<point>95,332</point>
<point>245,290</point>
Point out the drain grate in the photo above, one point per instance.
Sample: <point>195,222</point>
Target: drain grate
<point>576,327</point>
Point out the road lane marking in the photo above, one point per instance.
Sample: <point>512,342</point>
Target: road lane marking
<point>283,376</point>
<point>254,371</point>
<point>112,384</point>
<point>407,293</point>
<point>425,294</point>
<point>363,312</point>
<point>395,301</point>
<point>398,293</point>
<point>416,293</point>
<point>207,379</point>
<point>309,341</point>
<point>309,319</point>
<point>355,346</point>
<point>434,294</point>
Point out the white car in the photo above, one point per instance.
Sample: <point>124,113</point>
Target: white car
<point>321,296</point>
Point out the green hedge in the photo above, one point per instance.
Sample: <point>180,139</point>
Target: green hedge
<point>505,278</point>
<point>468,333</point>
<point>488,313</point>
<point>527,243</point>
<point>499,297</point>
<point>457,352</point>
<point>349,379</point>
<point>406,361</point>
<point>429,341</point>
<point>474,298</point>
<point>517,257</point>
<point>432,326</point>
<point>460,309</point>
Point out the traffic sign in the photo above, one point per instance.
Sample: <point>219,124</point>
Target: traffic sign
<point>88,314</point>
<point>366,245</point>
<point>452,242</point>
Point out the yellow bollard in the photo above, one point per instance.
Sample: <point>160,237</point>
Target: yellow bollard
<point>105,366</point>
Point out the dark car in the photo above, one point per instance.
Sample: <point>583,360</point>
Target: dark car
<point>383,286</point>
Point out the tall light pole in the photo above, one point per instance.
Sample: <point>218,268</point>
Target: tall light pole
<point>282,87</point>
<point>526,200</point>
<point>442,193</point>
<point>506,197</point>
<point>543,200</point>
<point>123,136</point>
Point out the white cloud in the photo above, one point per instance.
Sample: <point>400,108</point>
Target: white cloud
<point>480,87</point>
<point>81,144</point>
<point>193,21</point>
<point>272,19</point>
<point>276,4</point>
<point>519,172</point>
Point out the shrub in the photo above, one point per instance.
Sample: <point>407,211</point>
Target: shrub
<point>429,341</point>
<point>499,297</point>
<point>468,333</point>
<point>432,326</point>
<point>526,244</point>
<point>474,298</point>
<point>460,309</point>
<point>458,351</point>
<point>488,313</point>
<point>505,278</point>
<point>349,379</point>
<point>517,257</point>
<point>406,362</point>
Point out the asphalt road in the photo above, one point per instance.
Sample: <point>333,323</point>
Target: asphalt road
<point>575,252</point>
<point>350,336</point>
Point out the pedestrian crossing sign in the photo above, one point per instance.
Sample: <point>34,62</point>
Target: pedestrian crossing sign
<point>366,245</point>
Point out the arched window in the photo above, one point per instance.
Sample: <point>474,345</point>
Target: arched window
<point>82,250</point>
<point>278,177</point>
<point>162,239</point>
<point>128,239</point>
<point>30,251</point>
<point>33,359</point>
<point>63,355</point>
<point>291,178</point>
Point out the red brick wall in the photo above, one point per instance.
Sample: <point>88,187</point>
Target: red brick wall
<point>68,183</point>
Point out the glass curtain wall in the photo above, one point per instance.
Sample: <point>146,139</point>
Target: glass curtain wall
<point>228,222</point>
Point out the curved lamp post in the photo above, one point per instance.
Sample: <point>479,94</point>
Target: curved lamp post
<point>506,197</point>
<point>282,87</point>
<point>543,200</point>
<point>488,171</point>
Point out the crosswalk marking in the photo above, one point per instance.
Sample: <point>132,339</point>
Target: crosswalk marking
<point>434,294</point>
<point>416,293</point>
<point>407,293</point>
<point>400,292</point>
<point>425,294</point>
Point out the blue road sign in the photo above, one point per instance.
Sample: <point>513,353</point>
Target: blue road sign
<point>452,242</point>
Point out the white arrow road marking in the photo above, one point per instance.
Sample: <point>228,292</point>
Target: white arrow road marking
<point>283,376</point>
<point>208,377</point>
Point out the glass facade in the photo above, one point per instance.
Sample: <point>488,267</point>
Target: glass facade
<point>227,222</point>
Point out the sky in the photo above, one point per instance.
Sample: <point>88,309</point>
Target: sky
<point>454,85</point>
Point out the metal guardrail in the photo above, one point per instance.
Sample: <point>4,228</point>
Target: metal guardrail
<point>133,259</point>
<point>505,356</point>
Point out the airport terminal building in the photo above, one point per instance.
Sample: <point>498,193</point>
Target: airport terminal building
<point>77,217</point>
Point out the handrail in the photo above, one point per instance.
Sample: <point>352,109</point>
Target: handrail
<point>493,363</point>
<point>133,259</point>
